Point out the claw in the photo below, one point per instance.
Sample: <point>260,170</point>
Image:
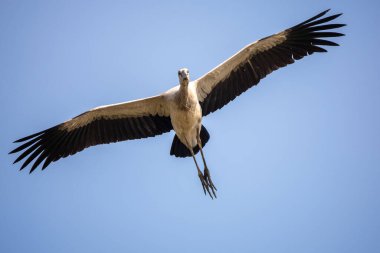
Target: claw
<point>208,190</point>
<point>205,185</point>
<point>202,181</point>
<point>210,184</point>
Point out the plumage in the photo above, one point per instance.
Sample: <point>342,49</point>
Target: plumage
<point>262,57</point>
<point>182,107</point>
<point>102,125</point>
<point>178,149</point>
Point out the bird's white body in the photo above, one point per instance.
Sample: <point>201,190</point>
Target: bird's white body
<point>185,114</point>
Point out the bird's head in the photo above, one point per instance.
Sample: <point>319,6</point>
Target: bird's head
<point>184,76</point>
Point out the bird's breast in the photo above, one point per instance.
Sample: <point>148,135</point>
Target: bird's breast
<point>186,119</point>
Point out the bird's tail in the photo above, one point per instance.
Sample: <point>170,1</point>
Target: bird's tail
<point>180,150</point>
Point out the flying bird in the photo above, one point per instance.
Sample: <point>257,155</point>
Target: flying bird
<point>182,107</point>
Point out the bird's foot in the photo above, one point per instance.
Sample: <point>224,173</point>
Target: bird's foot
<point>210,184</point>
<point>205,184</point>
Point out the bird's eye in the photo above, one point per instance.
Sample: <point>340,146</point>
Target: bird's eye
<point>179,73</point>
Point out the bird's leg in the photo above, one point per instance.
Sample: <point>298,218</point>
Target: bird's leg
<point>200,175</point>
<point>206,171</point>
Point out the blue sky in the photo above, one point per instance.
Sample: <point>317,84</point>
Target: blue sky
<point>296,160</point>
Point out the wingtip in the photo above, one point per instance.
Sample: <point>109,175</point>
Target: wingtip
<point>44,166</point>
<point>324,12</point>
<point>24,165</point>
<point>14,151</point>
<point>340,25</point>
<point>25,138</point>
<point>17,159</point>
<point>335,16</point>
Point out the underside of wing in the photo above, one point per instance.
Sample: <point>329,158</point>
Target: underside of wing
<point>246,68</point>
<point>119,122</point>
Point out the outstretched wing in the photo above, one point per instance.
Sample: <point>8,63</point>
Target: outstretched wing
<point>112,123</point>
<point>246,68</point>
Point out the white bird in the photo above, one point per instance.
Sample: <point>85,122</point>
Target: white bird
<point>182,107</point>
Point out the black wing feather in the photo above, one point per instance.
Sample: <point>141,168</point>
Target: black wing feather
<point>303,39</point>
<point>56,142</point>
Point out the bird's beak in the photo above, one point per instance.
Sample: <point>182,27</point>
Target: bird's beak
<point>184,77</point>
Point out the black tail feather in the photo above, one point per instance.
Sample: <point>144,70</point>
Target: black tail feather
<point>178,149</point>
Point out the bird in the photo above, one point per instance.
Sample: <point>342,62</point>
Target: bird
<point>182,107</point>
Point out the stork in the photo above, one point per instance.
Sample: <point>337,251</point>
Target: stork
<point>182,107</point>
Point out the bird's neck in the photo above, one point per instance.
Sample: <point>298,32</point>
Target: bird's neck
<point>183,97</point>
<point>184,87</point>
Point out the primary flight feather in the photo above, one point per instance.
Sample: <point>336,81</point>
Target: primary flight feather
<point>182,107</point>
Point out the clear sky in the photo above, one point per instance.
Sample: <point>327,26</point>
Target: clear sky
<point>296,160</point>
